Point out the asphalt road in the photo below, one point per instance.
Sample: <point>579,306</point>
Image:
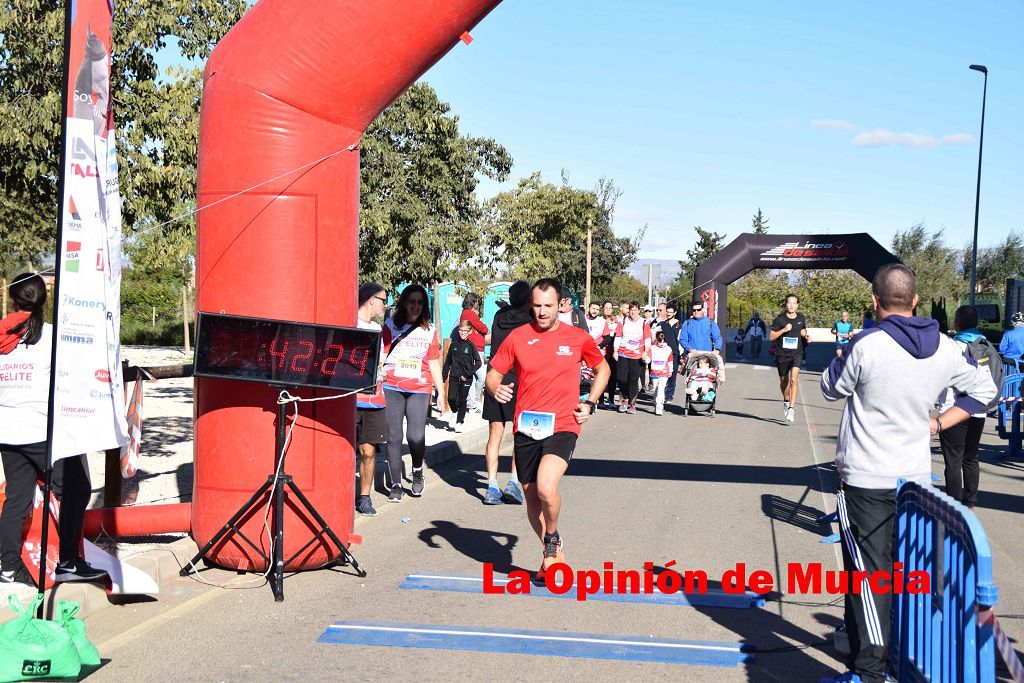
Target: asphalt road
<point>706,493</point>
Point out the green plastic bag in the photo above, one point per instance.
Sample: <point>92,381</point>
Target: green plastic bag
<point>87,652</point>
<point>33,648</point>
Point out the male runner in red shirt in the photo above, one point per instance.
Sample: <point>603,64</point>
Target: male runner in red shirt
<point>546,355</point>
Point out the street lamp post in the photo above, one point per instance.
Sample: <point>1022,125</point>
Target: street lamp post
<point>977,193</point>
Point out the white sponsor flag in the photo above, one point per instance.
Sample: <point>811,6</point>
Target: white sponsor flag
<point>89,406</point>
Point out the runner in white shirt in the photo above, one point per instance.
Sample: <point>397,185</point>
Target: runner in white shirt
<point>633,348</point>
<point>412,367</point>
<point>662,364</point>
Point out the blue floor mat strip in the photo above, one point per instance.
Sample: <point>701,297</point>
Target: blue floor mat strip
<point>474,584</point>
<point>547,643</point>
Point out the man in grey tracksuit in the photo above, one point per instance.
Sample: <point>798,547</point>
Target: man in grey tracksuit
<point>890,376</point>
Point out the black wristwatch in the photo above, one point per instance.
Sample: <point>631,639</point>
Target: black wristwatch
<point>593,406</point>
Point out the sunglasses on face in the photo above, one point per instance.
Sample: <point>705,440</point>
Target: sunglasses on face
<point>380,299</point>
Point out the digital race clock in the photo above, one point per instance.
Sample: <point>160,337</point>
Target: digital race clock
<point>286,353</point>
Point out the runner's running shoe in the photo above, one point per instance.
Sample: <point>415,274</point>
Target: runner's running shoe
<point>623,406</point>
<point>493,495</point>
<point>791,415</point>
<point>19,576</point>
<point>396,494</point>
<point>632,409</point>
<point>552,554</point>
<point>365,507</point>
<point>513,493</point>
<point>417,483</point>
<point>78,570</point>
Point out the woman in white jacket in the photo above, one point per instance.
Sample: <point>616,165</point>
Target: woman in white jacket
<point>25,347</point>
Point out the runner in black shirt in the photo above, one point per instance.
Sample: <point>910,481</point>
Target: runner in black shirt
<point>789,331</point>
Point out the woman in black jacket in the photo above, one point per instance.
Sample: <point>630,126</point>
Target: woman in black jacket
<point>460,365</point>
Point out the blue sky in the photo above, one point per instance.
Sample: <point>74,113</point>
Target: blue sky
<point>832,117</point>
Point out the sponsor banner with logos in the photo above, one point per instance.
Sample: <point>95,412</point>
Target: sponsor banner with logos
<point>89,405</point>
<point>805,254</point>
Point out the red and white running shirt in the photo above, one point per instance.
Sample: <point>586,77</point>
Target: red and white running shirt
<point>598,327</point>
<point>662,361</point>
<point>636,338</point>
<point>547,365</point>
<point>406,366</point>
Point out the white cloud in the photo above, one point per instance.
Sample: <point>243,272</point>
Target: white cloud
<point>833,124</point>
<point>958,139</point>
<point>882,138</point>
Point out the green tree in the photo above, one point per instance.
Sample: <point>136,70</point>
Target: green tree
<point>621,286</point>
<point>996,264</point>
<point>934,264</point>
<point>156,114</point>
<point>540,230</point>
<point>759,290</point>
<point>708,244</point>
<point>418,208</point>
<point>760,223</point>
<point>827,293</point>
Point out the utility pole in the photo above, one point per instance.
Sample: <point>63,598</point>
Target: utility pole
<point>590,237</point>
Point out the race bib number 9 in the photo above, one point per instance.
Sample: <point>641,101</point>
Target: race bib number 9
<point>790,343</point>
<point>407,368</point>
<point>536,425</point>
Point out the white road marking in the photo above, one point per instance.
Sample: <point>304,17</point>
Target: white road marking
<point>528,636</point>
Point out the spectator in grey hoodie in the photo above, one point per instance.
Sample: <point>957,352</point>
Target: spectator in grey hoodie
<point>890,376</point>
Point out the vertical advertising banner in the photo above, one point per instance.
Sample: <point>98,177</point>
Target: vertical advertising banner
<point>89,406</point>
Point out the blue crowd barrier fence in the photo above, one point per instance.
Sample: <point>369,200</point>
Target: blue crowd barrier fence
<point>947,633</point>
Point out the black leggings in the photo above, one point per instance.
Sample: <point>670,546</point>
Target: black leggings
<point>630,371</point>
<point>406,407</point>
<point>22,465</point>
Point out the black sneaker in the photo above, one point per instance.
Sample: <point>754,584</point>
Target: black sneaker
<point>396,494</point>
<point>417,483</point>
<point>18,576</point>
<point>78,570</point>
<point>365,507</point>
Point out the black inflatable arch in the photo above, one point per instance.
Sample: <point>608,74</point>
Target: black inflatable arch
<point>857,251</point>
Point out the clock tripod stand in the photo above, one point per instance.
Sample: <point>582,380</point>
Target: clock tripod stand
<point>276,485</point>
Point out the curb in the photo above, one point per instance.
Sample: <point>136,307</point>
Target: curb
<point>164,563</point>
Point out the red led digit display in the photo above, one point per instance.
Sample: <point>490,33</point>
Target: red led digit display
<point>286,353</point>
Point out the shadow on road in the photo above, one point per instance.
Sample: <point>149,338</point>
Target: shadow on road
<point>479,545</point>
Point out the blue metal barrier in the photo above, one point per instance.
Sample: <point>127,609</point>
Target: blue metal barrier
<point>1011,366</point>
<point>937,636</point>
<point>1004,413</point>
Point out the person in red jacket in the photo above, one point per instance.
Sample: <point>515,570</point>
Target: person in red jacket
<point>480,336</point>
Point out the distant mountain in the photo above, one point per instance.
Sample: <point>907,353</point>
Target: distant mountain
<point>669,270</point>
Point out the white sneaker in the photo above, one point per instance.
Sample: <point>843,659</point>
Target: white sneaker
<point>785,410</point>
<point>460,427</point>
<point>791,415</point>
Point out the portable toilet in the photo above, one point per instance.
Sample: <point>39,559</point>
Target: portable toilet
<point>449,307</point>
<point>498,291</point>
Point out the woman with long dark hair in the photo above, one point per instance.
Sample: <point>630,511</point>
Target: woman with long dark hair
<point>412,368</point>
<point>25,348</point>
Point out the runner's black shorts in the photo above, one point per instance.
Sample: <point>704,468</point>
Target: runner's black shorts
<point>499,412</point>
<point>528,452</point>
<point>371,427</point>
<point>787,362</point>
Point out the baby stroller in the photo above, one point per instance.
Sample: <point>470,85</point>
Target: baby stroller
<point>707,394</point>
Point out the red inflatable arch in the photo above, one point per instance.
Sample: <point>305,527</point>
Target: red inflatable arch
<point>287,95</point>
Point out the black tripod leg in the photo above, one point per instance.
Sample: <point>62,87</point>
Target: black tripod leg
<point>327,529</point>
<point>277,556</point>
<point>244,510</point>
